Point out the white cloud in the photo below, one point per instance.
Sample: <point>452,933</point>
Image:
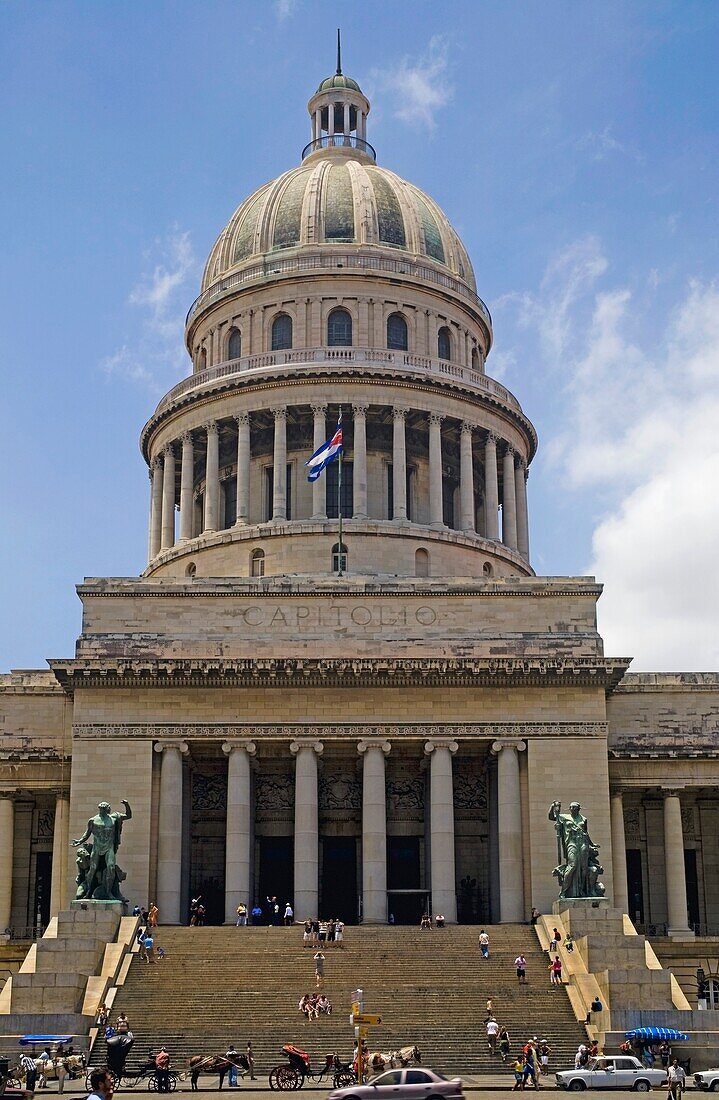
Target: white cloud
<point>599,144</point>
<point>419,88</point>
<point>284,8</point>
<point>156,356</point>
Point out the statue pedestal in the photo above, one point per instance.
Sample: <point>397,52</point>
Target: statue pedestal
<point>89,905</point>
<point>579,905</point>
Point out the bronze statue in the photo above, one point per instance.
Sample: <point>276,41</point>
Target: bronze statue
<point>99,876</point>
<point>578,867</point>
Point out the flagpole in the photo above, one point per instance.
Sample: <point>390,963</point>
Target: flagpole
<point>339,503</point>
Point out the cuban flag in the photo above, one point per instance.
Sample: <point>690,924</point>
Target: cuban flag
<point>325,454</point>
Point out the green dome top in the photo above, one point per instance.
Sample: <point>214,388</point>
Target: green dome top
<point>339,80</point>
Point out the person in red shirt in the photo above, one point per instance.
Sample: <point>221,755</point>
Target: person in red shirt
<point>162,1066</point>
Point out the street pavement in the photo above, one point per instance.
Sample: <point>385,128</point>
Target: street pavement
<point>488,1084</point>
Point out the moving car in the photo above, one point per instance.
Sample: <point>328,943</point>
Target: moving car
<point>708,1080</point>
<point>404,1084</point>
<point>611,1071</point>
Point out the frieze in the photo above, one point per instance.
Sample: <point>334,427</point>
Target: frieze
<point>339,792</point>
<point>461,731</point>
<point>209,792</point>
<point>274,793</point>
<point>470,790</point>
<point>44,824</point>
<point>406,796</point>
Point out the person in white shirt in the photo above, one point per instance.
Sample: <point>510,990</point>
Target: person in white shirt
<point>289,914</point>
<point>339,931</point>
<point>676,1081</point>
<point>492,1033</point>
<point>484,944</point>
<point>520,964</point>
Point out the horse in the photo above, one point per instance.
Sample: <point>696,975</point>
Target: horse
<point>405,1056</point>
<point>215,1063</point>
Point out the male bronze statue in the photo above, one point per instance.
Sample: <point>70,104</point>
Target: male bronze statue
<point>99,876</point>
<point>578,867</point>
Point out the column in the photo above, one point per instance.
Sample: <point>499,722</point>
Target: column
<point>186,486</point>
<point>169,838</point>
<point>238,829</point>
<point>436,512</point>
<point>212,478</point>
<point>676,882</point>
<point>347,123</point>
<point>399,466</point>
<point>520,492</point>
<point>509,830</point>
<point>374,831</point>
<point>491,490</point>
<point>156,509</point>
<point>243,469</point>
<point>168,498</point>
<point>60,847</point>
<point>306,828</point>
<point>509,503</point>
<point>466,479</point>
<point>359,457</point>
<point>441,816</point>
<point>279,466</point>
<point>619,852</point>
<point>319,487</point>
<point>7,847</point>
<point>331,120</point>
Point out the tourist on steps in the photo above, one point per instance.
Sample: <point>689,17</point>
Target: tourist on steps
<point>555,971</point>
<point>241,915</point>
<point>484,944</point>
<point>520,964</point>
<point>289,915</point>
<point>425,923</point>
<point>492,1033</point>
<point>319,969</point>
<point>503,1044</point>
<point>249,1054</point>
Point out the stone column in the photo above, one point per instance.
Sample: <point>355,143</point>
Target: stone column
<point>520,492</point>
<point>374,831</point>
<point>7,848</point>
<point>169,832</point>
<point>491,490</point>
<point>306,828</point>
<point>212,478</point>
<point>156,509</point>
<point>168,498</point>
<point>347,122</point>
<point>243,470</point>
<point>359,469</point>
<point>509,503</point>
<point>441,811</point>
<point>436,511</point>
<point>238,829</point>
<point>619,852</point>
<point>186,486</point>
<point>279,466</point>
<point>319,487</point>
<point>399,466</point>
<point>466,479</point>
<point>509,830</point>
<point>331,120</point>
<point>676,882</point>
<point>60,848</point>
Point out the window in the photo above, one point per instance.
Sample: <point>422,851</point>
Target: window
<point>339,558</point>
<point>281,332</point>
<point>475,358</point>
<point>270,489</point>
<point>229,492</point>
<point>346,492</point>
<point>394,1077</point>
<point>487,569</point>
<point>421,563</point>
<point>339,329</point>
<point>234,344</point>
<point>191,569</point>
<point>203,359</point>
<point>397,332</point>
<point>390,491</point>
<point>257,563</point>
<point>444,343</point>
<point>417,1077</point>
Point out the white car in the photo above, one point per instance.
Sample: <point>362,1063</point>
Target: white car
<point>611,1071</point>
<point>416,1083</point>
<point>708,1080</point>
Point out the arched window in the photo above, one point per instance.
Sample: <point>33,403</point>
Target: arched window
<point>475,358</point>
<point>203,359</point>
<point>257,563</point>
<point>339,558</point>
<point>444,343</point>
<point>191,569</point>
<point>281,332</point>
<point>421,563</point>
<point>396,332</point>
<point>234,344</point>
<point>487,569</point>
<point>339,329</point>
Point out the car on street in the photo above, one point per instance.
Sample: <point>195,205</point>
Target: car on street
<point>611,1071</point>
<point>404,1084</point>
<point>708,1080</point>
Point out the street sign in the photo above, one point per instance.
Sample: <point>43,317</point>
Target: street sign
<point>365,1018</point>
<point>356,1008</point>
<point>361,1033</point>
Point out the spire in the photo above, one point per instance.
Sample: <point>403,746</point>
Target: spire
<point>339,54</point>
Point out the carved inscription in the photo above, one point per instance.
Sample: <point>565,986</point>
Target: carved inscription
<point>308,617</point>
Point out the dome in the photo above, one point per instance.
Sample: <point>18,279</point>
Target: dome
<point>338,200</point>
<point>338,80</point>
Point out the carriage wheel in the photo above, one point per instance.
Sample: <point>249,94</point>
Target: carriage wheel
<point>173,1080</point>
<point>272,1080</point>
<point>344,1079</point>
<point>286,1079</point>
<point>152,1083</point>
<point>300,1080</point>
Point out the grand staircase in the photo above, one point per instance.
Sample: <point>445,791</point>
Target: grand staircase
<point>222,985</point>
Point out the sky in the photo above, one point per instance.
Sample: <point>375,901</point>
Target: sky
<point>572,145</point>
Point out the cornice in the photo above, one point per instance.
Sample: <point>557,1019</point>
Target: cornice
<point>233,590</point>
<point>453,731</point>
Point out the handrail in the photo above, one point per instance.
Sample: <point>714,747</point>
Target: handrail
<point>306,356</point>
<point>339,141</point>
<point>313,261</point>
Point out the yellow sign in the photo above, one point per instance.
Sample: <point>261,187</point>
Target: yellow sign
<point>356,1008</point>
<point>365,1018</point>
<point>361,1033</point>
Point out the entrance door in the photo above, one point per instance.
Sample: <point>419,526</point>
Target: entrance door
<point>207,871</point>
<point>339,878</point>
<point>403,873</point>
<point>277,872</point>
<point>43,879</point>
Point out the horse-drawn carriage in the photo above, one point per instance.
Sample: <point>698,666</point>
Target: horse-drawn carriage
<point>293,1073</point>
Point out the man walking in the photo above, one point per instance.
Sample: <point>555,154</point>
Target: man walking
<point>249,1054</point>
<point>289,914</point>
<point>677,1080</point>
<point>28,1065</point>
<point>484,944</point>
<point>492,1033</point>
<point>520,964</point>
<point>232,1054</point>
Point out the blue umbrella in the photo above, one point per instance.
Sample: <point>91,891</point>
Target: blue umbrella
<point>655,1033</point>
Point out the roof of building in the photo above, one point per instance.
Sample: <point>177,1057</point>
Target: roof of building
<point>339,80</point>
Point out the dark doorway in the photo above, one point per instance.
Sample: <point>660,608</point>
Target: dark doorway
<point>635,888</point>
<point>43,879</point>
<point>690,871</point>
<point>403,873</point>
<point>339,878</point>
<point>277,873</point>
<point>207,877</point>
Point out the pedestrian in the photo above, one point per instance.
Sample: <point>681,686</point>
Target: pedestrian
<point>535,916</point>
<point>122,1026</point>
<point>490,1009</point>
<point>569,944</point>
<point>101,1084</point>
<point>556,939</point>
<point>162,1070</point>
<point>531,1067</point>
<point>676,1081</point>
<point>555,971</point>
<point>492,1033</point>
<point>339,932</point>
<point>307,934</point>
<point>256,914</point>
<point>193,909</point>
<point>241,915</point>
<point>544,1051</point>
<point>503,1043</point>
<point>425,922</point>
<point>136,911</point>
<point>149,945</point>
<point>60,1070</point>
<point>250,1060</point>
<point>319,969</point>
<point>42,1064</point>
<point>232,1054</point>
<point>518,1068</point>
<point>27,1064</point>
<point>484,944</point>
<point>315,932</point>
<point>520,964</point>
<point>289,914</point>
<point>581,1057</point>
<point>152,915</point>
<point>103,1014</point>
<point>275,912</point>
<point>439,920</point>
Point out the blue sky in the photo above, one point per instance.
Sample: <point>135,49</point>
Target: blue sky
<point>574,147</point>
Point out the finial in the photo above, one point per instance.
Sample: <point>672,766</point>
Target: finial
<point>339,54</point>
